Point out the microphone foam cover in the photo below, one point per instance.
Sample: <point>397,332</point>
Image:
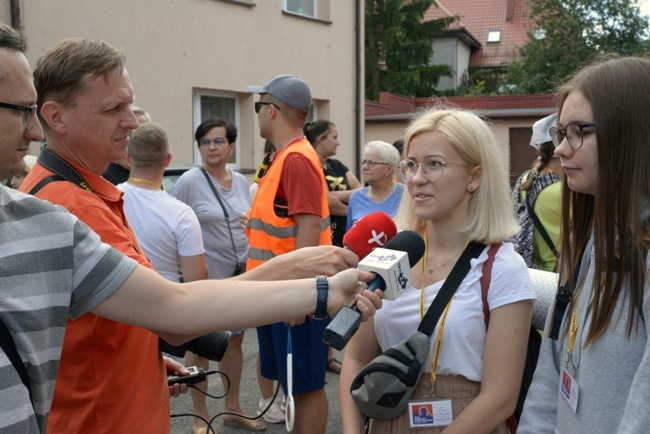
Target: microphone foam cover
<point>409,242</point>
<point>369,232</point>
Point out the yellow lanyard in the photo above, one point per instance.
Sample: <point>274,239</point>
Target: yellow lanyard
<point>573,329</point>
<point>441,328</point>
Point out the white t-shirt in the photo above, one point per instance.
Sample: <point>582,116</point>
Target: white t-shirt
<point>165,227</point>
<point>464,334</point>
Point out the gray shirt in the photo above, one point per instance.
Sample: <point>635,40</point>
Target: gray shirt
<point>613,374</point>
<point>193,189</point>
<point>51,266</point>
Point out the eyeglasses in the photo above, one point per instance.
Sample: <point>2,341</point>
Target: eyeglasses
<point>573,132</point>
<point>372,163</point>
<point>432,168</point>
<point>208,142</point>
<point>259,104</point>
<point>27,111</point>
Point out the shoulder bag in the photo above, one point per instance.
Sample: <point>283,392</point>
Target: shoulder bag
<point>383,388</point>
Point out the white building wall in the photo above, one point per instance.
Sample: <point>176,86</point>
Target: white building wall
<point>463,53</point>
<point>174,47</point>
<point>444,53</point>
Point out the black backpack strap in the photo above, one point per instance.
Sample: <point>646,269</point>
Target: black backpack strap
<point>9,348</point>
<point>540,227</point>
<point>453,281</point>
<point>563,298</point>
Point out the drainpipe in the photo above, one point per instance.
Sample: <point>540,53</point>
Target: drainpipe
<point>15,14</point>
<point>359,93</point>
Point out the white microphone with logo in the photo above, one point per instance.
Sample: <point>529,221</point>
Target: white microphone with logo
<point>392,265</point>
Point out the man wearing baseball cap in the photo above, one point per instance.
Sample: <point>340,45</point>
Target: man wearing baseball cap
<point>290,211</point>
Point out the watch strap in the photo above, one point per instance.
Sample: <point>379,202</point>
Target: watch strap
<point>322,286</point>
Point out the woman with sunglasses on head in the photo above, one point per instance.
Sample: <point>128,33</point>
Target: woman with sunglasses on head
<point>458,192</point>
<point>378,168</point>
<point>600,346</point>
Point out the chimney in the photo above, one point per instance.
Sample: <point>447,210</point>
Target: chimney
<point>510,9</point>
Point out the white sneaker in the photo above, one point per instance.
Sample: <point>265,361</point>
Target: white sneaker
<point>274,414</point>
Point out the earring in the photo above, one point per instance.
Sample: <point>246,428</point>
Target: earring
<point>470,187</point>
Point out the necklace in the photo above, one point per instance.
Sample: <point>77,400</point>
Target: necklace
<point>144,181</point>
<point>431,270</point>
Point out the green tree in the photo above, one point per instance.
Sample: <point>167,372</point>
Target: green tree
<point>399,50</point>
<point>570,33</point>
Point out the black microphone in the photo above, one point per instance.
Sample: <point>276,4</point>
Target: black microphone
<point>392,265</point>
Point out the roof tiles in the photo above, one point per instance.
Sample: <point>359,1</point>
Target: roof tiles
<point>478,17</point>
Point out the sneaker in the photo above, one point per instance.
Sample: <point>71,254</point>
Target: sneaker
<point>274,414</point>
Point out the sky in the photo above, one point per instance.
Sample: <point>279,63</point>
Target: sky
<point>645,7</point>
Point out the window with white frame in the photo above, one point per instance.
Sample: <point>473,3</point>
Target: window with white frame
<point>494,36</point>
<point>308,8</point>
<point>213,104</point>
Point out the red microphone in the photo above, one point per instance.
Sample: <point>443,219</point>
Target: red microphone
<point>369,232</point>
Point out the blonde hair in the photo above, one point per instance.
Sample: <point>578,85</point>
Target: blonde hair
<point>490,214</point>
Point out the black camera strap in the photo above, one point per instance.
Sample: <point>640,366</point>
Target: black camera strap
<point>225,212</point>
<point>62,170</point>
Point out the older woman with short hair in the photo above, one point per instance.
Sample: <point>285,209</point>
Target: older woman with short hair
<point>382,193</point>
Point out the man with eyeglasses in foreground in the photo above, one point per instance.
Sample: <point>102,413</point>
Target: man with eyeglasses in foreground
<point>290,211</point>
<point>53,266</point>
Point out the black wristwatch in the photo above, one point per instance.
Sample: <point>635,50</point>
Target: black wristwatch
<point>322,286</point>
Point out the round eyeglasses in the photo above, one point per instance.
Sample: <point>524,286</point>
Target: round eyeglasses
<point>28,111</point>
<point>574,133</point>
<point>432,168</point>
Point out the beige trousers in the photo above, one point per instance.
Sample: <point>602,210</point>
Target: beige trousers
<point>460,390</point>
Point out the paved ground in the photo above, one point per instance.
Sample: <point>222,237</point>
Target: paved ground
<point>250,396</point>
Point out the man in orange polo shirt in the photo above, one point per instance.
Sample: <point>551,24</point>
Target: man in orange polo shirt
<point>54,266</point>
<point>112,377</point>
<point>84,95</point>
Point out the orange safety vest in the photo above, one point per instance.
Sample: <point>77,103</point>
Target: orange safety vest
<point>270,235</point>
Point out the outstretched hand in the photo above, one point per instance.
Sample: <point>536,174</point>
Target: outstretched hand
<point>304,263</point>
<point>319,261</point>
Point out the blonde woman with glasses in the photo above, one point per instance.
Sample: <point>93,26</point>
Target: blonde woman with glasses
<point>456,177</point>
